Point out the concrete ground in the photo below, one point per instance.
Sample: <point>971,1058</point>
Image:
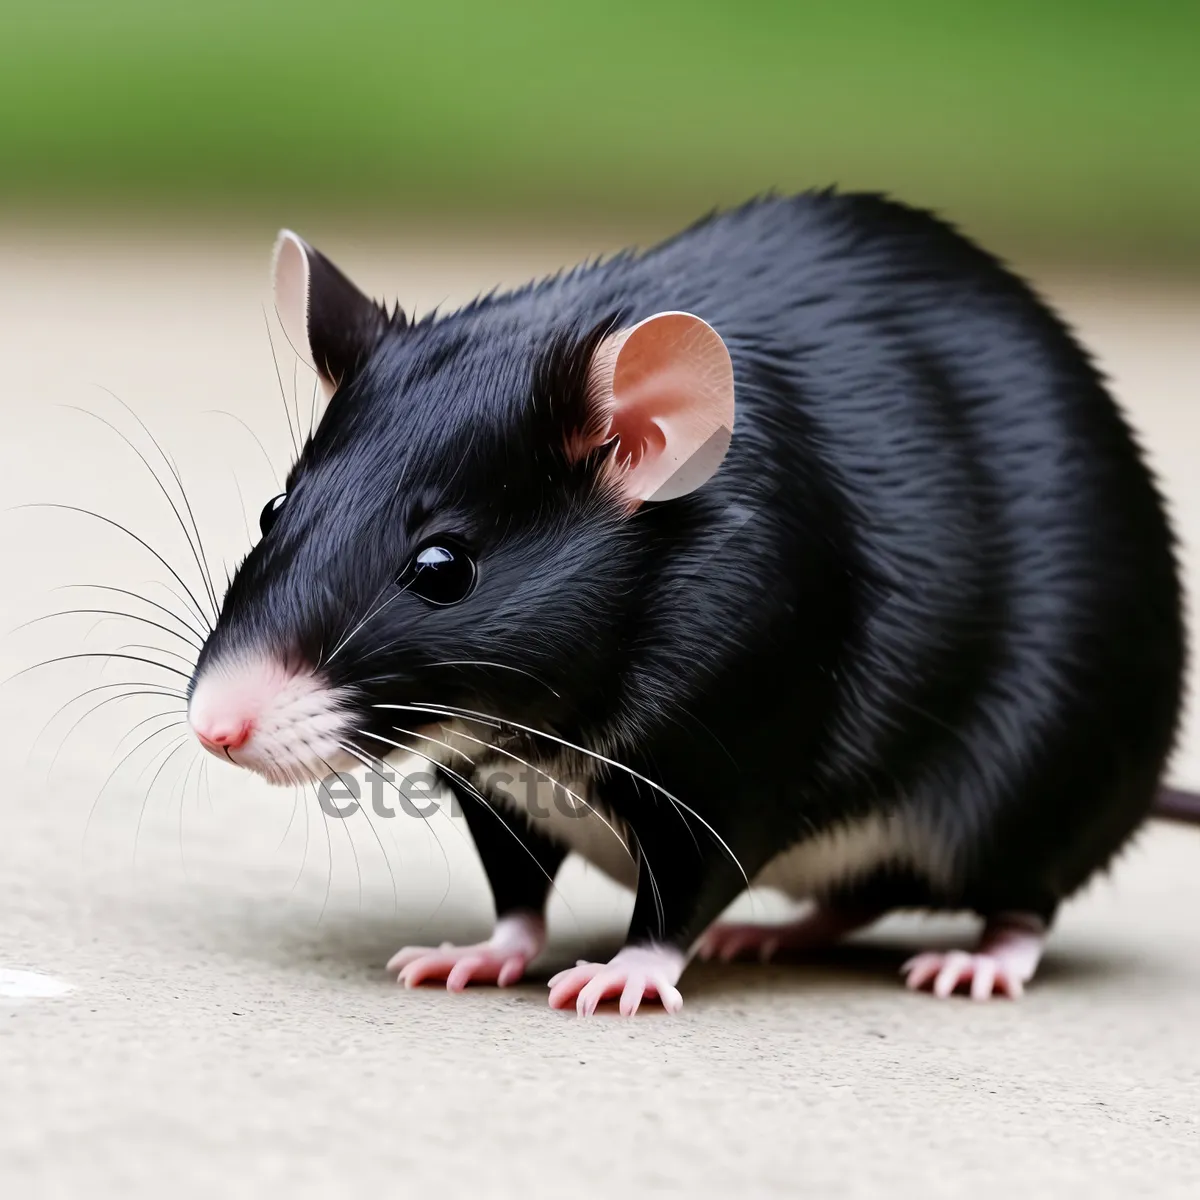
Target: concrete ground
<point>229,1029</point>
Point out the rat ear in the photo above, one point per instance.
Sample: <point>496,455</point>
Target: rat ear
<point>331,325</point>
<point>664,391</point>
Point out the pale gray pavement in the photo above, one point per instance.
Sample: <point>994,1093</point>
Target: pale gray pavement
<point>230,1031</point>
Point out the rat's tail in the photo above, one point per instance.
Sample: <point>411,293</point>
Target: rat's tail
<point>1174,805</point>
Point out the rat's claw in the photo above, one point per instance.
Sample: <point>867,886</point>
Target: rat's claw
<point>821,926</point>
<point>948,971</point>
<point>1004,963</point>
<point>517,939</point>
<point>725,942</point>
<point>633,974</point>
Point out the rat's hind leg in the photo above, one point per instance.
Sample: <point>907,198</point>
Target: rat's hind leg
<point>520,866</point>
<point>1005,960</point>
<point>822,926</point>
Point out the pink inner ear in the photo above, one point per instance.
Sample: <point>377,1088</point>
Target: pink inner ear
<point>667,385</point>
<point>291,293</point>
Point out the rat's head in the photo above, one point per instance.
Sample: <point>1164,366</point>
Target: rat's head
<point>461,530</point>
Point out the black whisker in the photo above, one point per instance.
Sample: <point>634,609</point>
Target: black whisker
<point>195,551</point>
<point>279,377</point>
<point>87,512</point>
<point>176,715</point>
<point>237,487</point>
<point>188,662</point>
<point>153,689</point>
<point>220,412</point>
<point>182,800</point>
<point>205,571</point>
<point>145,689</point>
<point>166,588</point>
<point>108,780</point>
<point>156,733</point>
<point>108,612</point>
<point>104,587</point>
<point>295,393</point>
<point>176,746</point>
<point>96,708</point>
<point>97,654</point>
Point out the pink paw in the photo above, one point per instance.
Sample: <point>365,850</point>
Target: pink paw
<point>634,973</point>
<point>819,928</point>
<point>727,942</point>
<point>502,959</point>
<point>947,971</point>
<point>1008,956</point>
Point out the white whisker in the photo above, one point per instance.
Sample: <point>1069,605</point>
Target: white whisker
<point>546,775</point>
<point>468,714</point>
<point>479,662</point>
<point>466,783</point>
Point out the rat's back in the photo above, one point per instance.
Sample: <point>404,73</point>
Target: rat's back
<point>1012,666</point>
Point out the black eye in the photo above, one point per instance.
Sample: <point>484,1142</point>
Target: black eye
<point>270,512</point>
<point>440,574</point>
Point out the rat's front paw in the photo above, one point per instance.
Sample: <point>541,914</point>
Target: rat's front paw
<point>517,939</point>
<point>633,974</point>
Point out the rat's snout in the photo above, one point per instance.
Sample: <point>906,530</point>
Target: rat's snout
<point>218,735</point>
<point>287,725</point>
<point>226,705</point>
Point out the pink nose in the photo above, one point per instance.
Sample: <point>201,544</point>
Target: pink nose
<point>224,735</point>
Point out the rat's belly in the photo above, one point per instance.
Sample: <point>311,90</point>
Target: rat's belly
<point>565,813</point>
<point>551,796</point>
<point>840,855</point>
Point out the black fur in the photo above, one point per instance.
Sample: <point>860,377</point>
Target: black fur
<point>933,569</point>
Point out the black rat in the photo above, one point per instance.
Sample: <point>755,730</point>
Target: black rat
<point>808,545</point>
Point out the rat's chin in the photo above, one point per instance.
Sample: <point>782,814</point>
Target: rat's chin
<point>289,770</point>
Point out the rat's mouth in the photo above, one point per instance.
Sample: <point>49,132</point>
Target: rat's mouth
<point>293,769</point>
<point>289,727</point>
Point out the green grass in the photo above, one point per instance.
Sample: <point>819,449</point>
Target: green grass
<point>1074,125</point>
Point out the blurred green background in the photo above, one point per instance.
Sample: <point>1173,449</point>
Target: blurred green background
<point>1069,129</point>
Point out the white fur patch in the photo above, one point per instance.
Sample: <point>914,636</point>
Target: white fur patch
<point>567,815</point>
<point>526,787</point>
<point>298,721</point>
<point>852,851</point>
<point>834,857</point>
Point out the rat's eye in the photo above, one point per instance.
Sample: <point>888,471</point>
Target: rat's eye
<point>270,512</point>
<point>440,574</point>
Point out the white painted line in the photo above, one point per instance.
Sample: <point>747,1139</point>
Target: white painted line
<point>29,985</point>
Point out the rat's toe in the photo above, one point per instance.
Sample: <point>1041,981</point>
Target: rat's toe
<point>634,974</point>
<point>501,960</point>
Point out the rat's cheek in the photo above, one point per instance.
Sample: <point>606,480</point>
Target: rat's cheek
<point>289,726</point>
